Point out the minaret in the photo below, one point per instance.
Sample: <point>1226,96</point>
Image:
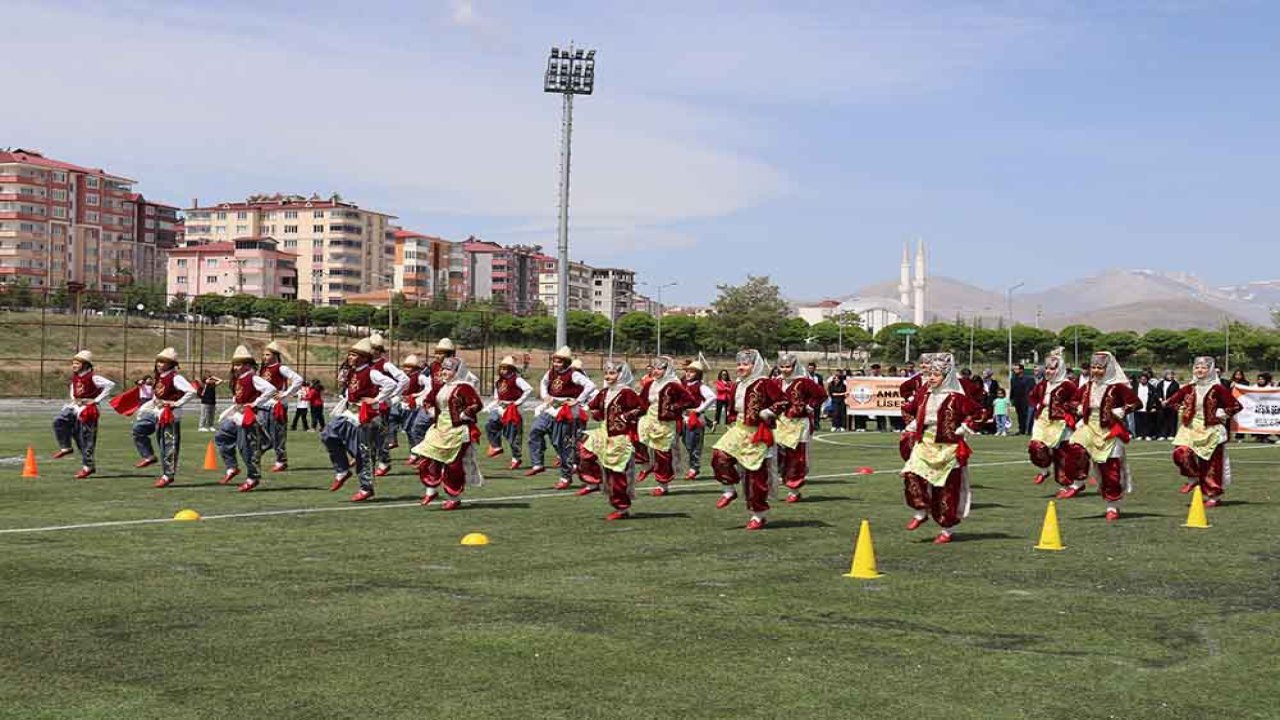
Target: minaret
<point>918,305</point>
<point>904,282</point>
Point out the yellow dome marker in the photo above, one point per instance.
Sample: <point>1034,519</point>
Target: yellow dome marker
<point>474,539</point>
<point>186,515</point>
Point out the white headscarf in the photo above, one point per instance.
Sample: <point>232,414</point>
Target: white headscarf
<point>461,374</point>
<point>625,378</point>
<point>1055,367</point>
<point>1114,374</point>
<point>758,370</point>
<point>1212,378</point>
<point>668,367</point>
<point>946,364</point>
<point>796,372</point>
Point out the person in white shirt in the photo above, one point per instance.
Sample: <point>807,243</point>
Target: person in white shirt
<point>505,420</point>
<point>162,416</point>
<point>693,426</point>
<point>355,425</point>
<point>562,390</point>
<point>275,422</point>
<point>78,419</point>
<point>242,427</point>
<point>382,363</point>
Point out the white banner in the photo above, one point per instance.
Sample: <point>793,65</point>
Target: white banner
<point>1261,413</point>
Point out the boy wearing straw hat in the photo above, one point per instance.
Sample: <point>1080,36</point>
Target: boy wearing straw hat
<point>287,382</point>
<point>355,424</point>
<point>241,426</point>
<point>693,426</point>
<point>383,441</point>
<point>162,416</point>
<point>404,409</point>
<point>505,421</point>
<point>78,419</point>
<point>562,390</point>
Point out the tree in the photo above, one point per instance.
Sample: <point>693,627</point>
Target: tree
<point>679,334</point>
<point>357,315</point>
<point>636,330</point>
<point>209,305</point>
<point>793,333</point>
<point>1166,346</point>
<point>1031,341</point>
<point>540,330</point>
<point>443,323</point>
<point>240,307</point>
<point>826,334</point>
<point>325,316</point>
<point>581,329</point>
<point>508,328</point>
<point>1122,344</point>
<point>750,315</point>
<point>1086,336</point>
<point>892,343</point>
<point>179,303</point>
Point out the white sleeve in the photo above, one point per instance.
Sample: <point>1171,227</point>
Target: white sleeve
<point>525,390</point>
<point>105,386</point>
<point>543,392</point>
<point>188,390</point>
<point>385,383</point>
<point>295,381</point>
<point>588,387</point>
<point>398,377</point>
<point>708,398</point>
<point>267,390</point>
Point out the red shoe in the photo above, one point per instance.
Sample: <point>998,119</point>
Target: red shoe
<point>555,462</point>
<point>1093,480</point>
<point>1068,492</point>
<point>339,480</point>
<point>226,479</point>
<point>451,505</point>
<point>756,523</point>
<point>793,497</point>
<point>942,539</point>
<point>586,490</point>
<point>247,485</point>
<point>279,467</point>
<point>725,500</point>
<point>1212,502</point>
<point>393,446</point>
<point>428,498</point>
<point>535,470</point>
<point>618,515</point>
<point>381,471</point>
<point>62,452</point>
<point>691,475</point>
<point>1187,487</point>
<point>144,462</point>
<point>561,484</point>
<point>659,491</point>
<point>916,522</point>
<point>644,474</point>
<point>515,464</point>
<point>1039,479</point>
<point>493,452</point>
<point>162,481</point>
<point>362,495</point>
<point>413,461</point>
<point>1113,515</point>
<point>83,473</point>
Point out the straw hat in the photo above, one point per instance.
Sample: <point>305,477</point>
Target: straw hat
<point>241,354</point>
<point>168,354</point>
<point>276,348</point>
<point>83,356</point>
<point>697,365</point>
<point>564,353</point>
<point>576,364</point>
<point>509,361</point>
<point>377,342</point>
<point>446,345</point>
<point>411,360</point>
<point>364,347</point>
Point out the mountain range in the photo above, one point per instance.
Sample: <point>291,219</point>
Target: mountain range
<point>1113,300</point>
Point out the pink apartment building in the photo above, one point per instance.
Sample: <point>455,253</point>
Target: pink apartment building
<point>248,265</point>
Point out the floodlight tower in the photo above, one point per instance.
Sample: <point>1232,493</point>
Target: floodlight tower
<point>569,72</point>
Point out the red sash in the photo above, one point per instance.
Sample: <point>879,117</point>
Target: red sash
<point>89,415</point>
<point>763,436</point>
<point>1070,420</point>
<point>127,403</point>
<point>166,416</point>
<point>511,416</point>
<point>278,413</point>
<point>1119,431</point>
<point>963,452</point>
<point>367,413</point>
<point>694,420</point>
<point>564,414</point>
<point>250,417</point>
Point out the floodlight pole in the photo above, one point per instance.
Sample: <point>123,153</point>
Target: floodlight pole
<point>562,280</point>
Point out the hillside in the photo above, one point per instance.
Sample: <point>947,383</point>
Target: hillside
<point>1169,313</point>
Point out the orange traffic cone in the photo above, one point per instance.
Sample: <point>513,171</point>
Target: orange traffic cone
<point>29,469</point>
<point>210,457</point>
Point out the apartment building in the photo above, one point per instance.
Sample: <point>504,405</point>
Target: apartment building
<point>421,269</point>
<point>248,265</point>
<point>342,249</point>
<point>505,275</point>
<point>61,223</point>
<point>612,291</point>
<point>580,276</point>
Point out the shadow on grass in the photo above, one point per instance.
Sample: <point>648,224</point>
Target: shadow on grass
<point>807,499</point>
<point>658,515</point>
<point>968,537</point>
<point>288,488</point>
<point>1123,516</point>
<point>977,506</point>
<point>499,505</point>
<point>783,524</point>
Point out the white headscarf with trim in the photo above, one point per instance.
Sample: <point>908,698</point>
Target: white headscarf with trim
<point>625,378</point>
<point>1114,374</point>
<point>945,364</point>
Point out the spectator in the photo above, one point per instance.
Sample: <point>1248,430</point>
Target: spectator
<point>146,388</point>
<point>990,389</point>
<point>317,404</point>
<point>1168,417</point>
<point>837,391</point>
<point>209,404</point>
<point>1000,408</point>
<point>302,408</point>
<point>1019,389</point>
<point>1144,418</point>
<point>724,398</point>
<point>1237,378</point>
<point>811,372</point>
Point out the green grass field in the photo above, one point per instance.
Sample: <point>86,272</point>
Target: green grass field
<point>376,611</point>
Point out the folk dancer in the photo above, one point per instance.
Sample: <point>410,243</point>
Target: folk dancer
<point>241,426</point>
<point>448,450</point>
<point>355,423</point>
<point>936,475</point>
<point>383,441</point>
<point>693,425</point>
<point>426,400</point>
<point>907,391</point>
<point>78,420</point>
<point>562,390</point>
<point>1101,436</point>
<point>405,409</point>
<point>275,421</point>
<point>606,455</point>
<point>1052,400</point>
<point>1205,408</point>
<point>505,420</point>
<point>665,401</point>
<point>162,416</point>
<point>746,452</point>
<point>796,424</point>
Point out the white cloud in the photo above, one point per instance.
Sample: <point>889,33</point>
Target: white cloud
<point>464,13</point>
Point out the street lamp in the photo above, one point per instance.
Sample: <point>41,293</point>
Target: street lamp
<point>569,72</point>
<point>658,302</point>
<point>1009,301</point>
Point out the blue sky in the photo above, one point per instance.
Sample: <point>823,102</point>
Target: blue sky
<point>1023,139</point>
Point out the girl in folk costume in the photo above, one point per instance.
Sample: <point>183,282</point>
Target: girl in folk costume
<point>384,439</point>
<point>505,421</point>
<point>746,451</point>
<point>274,421</point>
<point>936,476</point>
<point>1054,401</point>
<point>162,416</point>
<point>606,455</point>
<point>1205,408</point>
<point>356,421</point>
<point>562,390</point>
<point>665,399</point>
<point>693,426</point>
<point>795,425</point>
<point>405,409</point>
<point>241,426</point>
<point>448,450</point>
<point>907,391</point>
<point>78,419</point>
<point>1100,436</point>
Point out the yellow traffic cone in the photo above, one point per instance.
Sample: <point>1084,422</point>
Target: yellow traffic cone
<point>29,469</point>
<point>1195,514</point>
<point>1050,539</point>
<point>210,457</point>
<point>864,556</point>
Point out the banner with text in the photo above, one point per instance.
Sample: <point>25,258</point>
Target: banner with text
<point>873,396</point>
<point>1261,413</point>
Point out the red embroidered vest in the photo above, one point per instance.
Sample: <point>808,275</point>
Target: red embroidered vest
<point>360,385</point>
<point>244,392</point>
<point>82,385</point>
<point>507,389</point>
<point>561,384</point>
<point>271,373</point>
<point>415,381</point>
<point>165,388</point>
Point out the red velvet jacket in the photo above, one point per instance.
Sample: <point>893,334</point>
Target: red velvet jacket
<point>762,394</point>
<point>464,399</point>
<point>1115,397</point>
<point>623,413</point>
<point>804,397</point>
<point>956,410</point>
<point>1061,400</point>
<point>1218,398</point>
<point>673,400</point>
<point>911,386</point>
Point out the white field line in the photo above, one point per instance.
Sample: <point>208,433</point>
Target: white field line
<point>507,498</point>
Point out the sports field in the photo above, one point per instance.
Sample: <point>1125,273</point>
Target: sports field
<point>314,607</point>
